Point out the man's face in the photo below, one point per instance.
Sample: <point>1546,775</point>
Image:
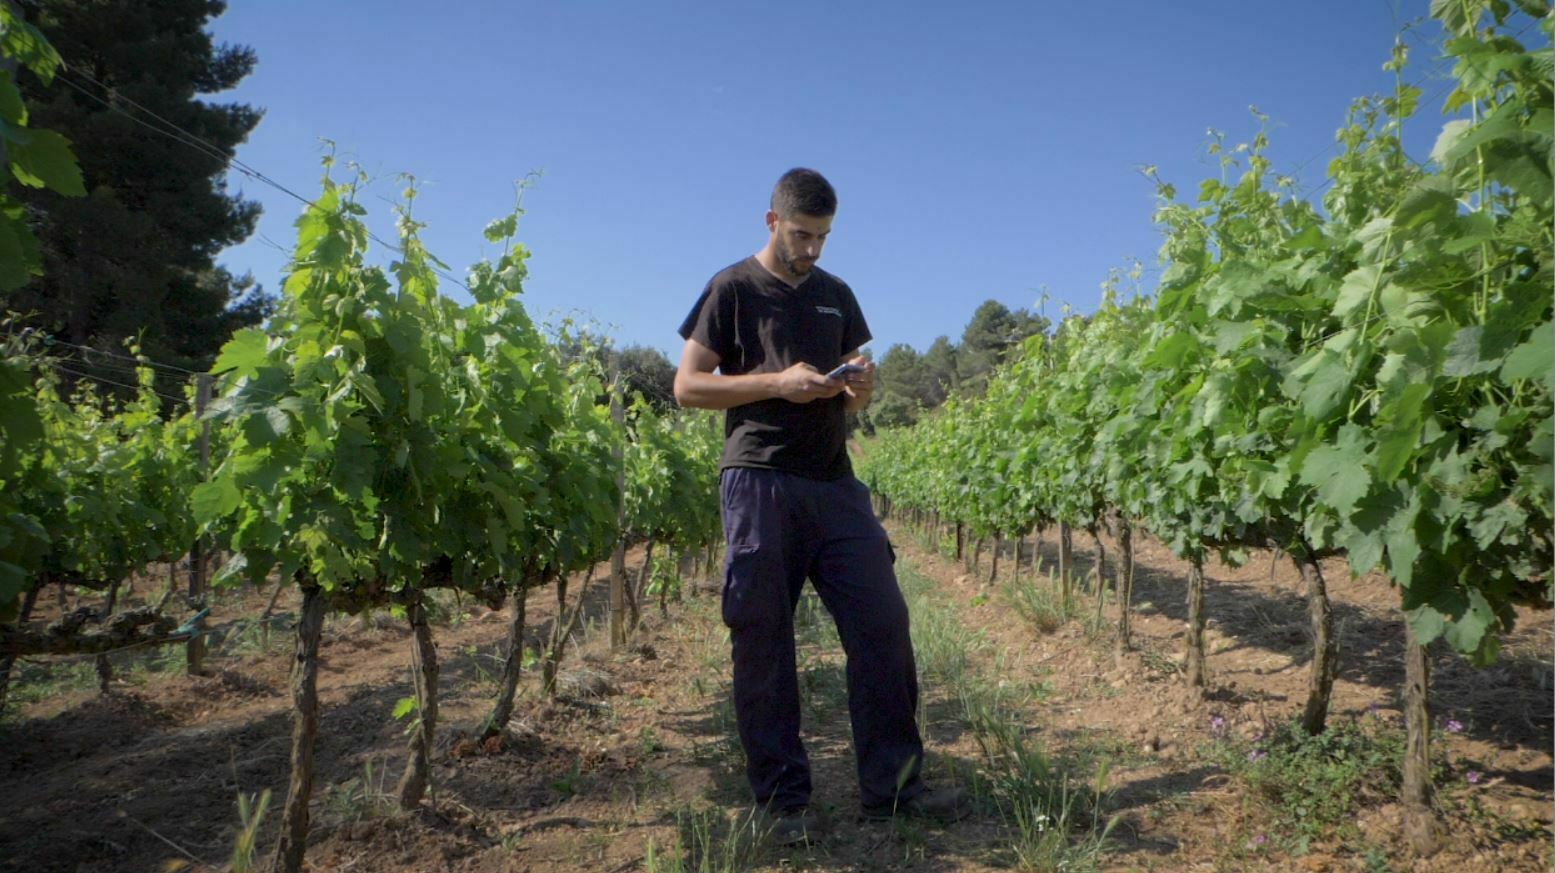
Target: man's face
<point>798,240</point>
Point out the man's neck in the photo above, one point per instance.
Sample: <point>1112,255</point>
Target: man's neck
<point>767,258</point>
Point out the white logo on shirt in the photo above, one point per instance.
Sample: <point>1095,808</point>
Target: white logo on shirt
<point>829,310</point>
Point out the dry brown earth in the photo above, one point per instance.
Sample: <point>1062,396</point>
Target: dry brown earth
<point>638,752</point>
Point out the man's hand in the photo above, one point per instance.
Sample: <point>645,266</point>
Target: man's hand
<point>803,383</point>
<point>859,383</point>
<point>859,386</point>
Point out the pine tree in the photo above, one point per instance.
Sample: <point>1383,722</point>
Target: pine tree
<point>136,256</point>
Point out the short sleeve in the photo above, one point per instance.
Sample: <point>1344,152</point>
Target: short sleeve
<point>855,330</point>
<point>711,321</point>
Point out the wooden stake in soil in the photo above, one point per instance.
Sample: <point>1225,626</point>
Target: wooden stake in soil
<point>172,587</point>
<point>1419,820</point>
<point>993,570</point>
<point>28,601</point>
<point>305,726</point>
<point>1196,622</point>
<point>644,576</point>
<point>631,605</point>
<point>1065,559</point>
<point>561,630</point>
<point>512,666</point>
<point>1125,584</point>
<point>618,556</point>
<point>195,649</point>
<point>1325,647</point>
<point>264,617</point>
<point>104,667</point>
<point>418,772</point>
<point>682,569</point>
<point>960,541</point>
<point>1101,572</point>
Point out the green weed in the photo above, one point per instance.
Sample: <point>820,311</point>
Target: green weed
<point>251,813</point>
<point>360,797</point>
<point>1043,605</point>
<point>664,580</point>
<point>445,607</point>
<point>1053,821</point>
<point>1160,664</point>
<point>478,660</point>
<point>706,840</point>
<point>569,783</point>
<point>1313,785</point>
<point>648,741</point>
<point>32,682</point>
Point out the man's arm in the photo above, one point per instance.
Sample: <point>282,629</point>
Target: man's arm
<point>697,385</point>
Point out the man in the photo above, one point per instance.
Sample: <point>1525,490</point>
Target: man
<point>772,326</point>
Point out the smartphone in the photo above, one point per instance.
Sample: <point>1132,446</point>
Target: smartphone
<point>844,370</point>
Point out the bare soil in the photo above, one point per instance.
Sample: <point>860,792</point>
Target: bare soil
<point>637,753</point>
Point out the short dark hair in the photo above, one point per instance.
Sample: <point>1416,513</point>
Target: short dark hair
<point>804,191</point>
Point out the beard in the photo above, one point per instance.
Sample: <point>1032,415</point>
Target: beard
<point>790,263</point>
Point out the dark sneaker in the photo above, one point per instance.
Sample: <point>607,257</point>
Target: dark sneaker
<point>793,827</point>
<point>942,805</point>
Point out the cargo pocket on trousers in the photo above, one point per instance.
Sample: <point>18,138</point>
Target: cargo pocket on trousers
<point>742,586</point>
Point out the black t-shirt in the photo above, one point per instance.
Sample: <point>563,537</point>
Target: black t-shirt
<point>757,323</point>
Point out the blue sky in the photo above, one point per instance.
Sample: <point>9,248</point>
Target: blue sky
<point>979,149</point>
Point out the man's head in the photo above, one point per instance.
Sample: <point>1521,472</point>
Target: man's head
<point>803,204</point>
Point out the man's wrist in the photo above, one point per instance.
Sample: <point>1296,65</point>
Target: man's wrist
<point>768,384</point>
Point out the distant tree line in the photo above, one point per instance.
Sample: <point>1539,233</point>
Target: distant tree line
<point>910,383</point>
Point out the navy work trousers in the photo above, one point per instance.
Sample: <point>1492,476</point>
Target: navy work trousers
<point>781,529</point>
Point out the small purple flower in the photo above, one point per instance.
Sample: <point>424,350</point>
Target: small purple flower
<point>1257,755</point>
<point>1454,726</point>
<point>1260,840</point>
<point>1373,708</point>
<point>1473,777</point>
<point>1217,725</point>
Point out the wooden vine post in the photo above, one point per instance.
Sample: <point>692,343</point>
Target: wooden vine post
<point>1419,820</point>
<point>1325,648</point>
<point>512,665</point>
<point>293,841</point>
<point>1065,559</point>
<point>1125,584</point>
<point>194,650</point>
<point>1101,572</point>
<point>1195,661</point>
<point>418,771</point>
<point>618,556</point>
